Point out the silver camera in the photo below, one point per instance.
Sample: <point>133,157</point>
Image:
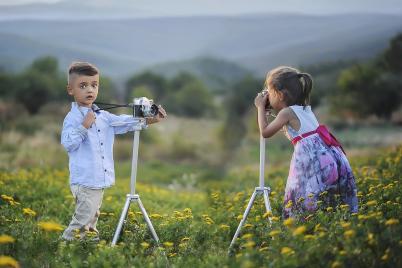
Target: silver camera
<point>144,107</point>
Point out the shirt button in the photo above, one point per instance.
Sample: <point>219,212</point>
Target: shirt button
<point>101,143</point>
<point>103,157</point>
<point>98,130</point>
<point>105,170</point>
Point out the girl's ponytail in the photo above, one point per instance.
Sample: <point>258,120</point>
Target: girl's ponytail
<point>307,85</point>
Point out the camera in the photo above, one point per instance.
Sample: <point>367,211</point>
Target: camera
<point>144,107</point>
<point>268,105</point>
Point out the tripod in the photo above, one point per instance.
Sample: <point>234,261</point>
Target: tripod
<point>132,197</point>
<point>261,190</point>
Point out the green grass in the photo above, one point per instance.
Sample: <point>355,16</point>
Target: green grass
<point>195,225</point>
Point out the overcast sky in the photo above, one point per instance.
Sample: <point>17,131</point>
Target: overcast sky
<point>212,7</point>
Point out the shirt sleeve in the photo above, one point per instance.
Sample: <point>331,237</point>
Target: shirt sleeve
<point>72,135</point>
<point>123,123</point>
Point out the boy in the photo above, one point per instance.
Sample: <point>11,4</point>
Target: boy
<point>88,138</point>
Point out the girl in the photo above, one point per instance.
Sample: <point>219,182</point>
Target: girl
<point>319,167</point>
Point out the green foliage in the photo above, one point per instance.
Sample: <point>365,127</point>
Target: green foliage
<point>192,100</point>
<point>195,227</point>
<point>238,102</point>
<point>156,84</point>
<point>374,88</point>
<point>393,55</point>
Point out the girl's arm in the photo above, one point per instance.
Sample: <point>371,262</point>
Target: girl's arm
<point>268,130</point>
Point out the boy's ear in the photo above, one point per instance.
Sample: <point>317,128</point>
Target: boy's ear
<point>69,89</point>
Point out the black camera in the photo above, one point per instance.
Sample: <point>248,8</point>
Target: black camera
<point>143,107</point>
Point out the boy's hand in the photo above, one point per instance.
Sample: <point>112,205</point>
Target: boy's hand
<point>89,119</point>
<point>161,115</point>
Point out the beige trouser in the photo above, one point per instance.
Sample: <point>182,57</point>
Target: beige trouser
<point>87,204</point>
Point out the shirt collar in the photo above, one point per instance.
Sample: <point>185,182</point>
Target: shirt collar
<point>80,110</point>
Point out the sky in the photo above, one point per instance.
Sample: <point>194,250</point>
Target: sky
<point>233,7</point>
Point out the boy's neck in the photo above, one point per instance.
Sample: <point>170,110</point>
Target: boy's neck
<point>84,105</point>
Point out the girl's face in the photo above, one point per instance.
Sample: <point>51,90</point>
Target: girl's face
<point>276,99</point>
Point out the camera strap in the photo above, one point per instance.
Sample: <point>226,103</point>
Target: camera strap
<point>110,106</point>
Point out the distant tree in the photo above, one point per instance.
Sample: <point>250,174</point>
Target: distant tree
<point>365,89</point>
<point>7,83</point>
<point>238,102</point>
<point>180,81</point>
<point>393,55</point>
<point>373,88</point>
<point>156,83</point>
<point>46,65</point>
<point>141,91</point>
<point>33,90</point>
<point>107,90</point>
<point>193,100</point>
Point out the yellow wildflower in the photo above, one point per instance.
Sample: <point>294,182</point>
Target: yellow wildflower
<point>349,233</point>
<point>392,222</point>
<point>310,195</point>
<point>144,245</point>
<point>287,250</point>
<point>274,218</point>
<point>6,239</point>
<point>247,236</point>
<point>336,264</point>
<point>345,206</point>
<point>309,237</point>
<point>7,198</point>
<point>50,226</point>
<point>249,244</point>
<point>28,211</point>
<point>267,214</point>
<point>345,224</point>
<point>329,209</point>
<point>299,230</point>
<point>288,222</point>
<point>168,244</point>
<point>224,226</point>
<point>289,204</point>
<point>8,261</point>
<point>248,225</point>
<point>172,254</point>
<point>185,239</point>
<point>274,232</point>
<point>263,249</point>
<point>371,203</point>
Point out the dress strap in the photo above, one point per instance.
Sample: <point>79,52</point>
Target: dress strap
<point>325,135</point>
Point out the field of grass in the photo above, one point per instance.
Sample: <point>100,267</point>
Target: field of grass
<point>195,198</point>
<point>195,224</point>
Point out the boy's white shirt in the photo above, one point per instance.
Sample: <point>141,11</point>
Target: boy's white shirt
<point>90,151</point>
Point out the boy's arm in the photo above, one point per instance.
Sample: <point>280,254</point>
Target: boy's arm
<point>72,135</point>
<point>123,123</point>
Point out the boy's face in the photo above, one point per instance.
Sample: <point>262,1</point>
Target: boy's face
<point>84,89</point>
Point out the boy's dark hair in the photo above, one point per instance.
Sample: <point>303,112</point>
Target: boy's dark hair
<point>82,68</point>
<point>295,86</point>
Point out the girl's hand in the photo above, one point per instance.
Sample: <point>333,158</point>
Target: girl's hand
<point>261,100</point>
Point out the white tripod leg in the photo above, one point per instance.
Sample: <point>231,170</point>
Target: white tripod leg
<point>149,223</point>
<point>243,220</point>
<point>267,204</point>
<point>121,221</point>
